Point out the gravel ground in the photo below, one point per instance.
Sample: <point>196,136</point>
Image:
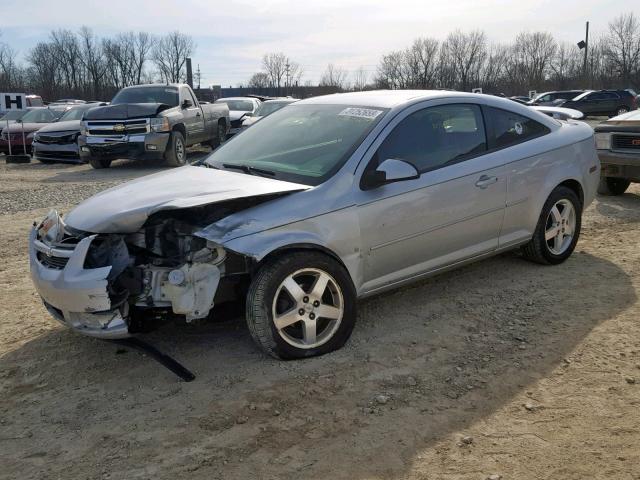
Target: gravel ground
<point>503,368</point>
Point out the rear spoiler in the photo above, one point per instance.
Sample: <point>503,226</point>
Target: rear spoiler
<point>560,113</point>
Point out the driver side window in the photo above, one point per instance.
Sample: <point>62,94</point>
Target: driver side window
<point>436,136</point>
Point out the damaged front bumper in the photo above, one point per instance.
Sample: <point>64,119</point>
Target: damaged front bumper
<point>75,296</point>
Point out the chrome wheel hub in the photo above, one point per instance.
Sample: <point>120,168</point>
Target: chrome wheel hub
<point>307,308</point>
<point>560,227</point>
<point>179,150</point>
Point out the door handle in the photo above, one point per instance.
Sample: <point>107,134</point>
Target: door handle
<point>198,114</point>
<point>484,181</point>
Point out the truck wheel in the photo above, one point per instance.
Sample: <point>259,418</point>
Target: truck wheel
<point>176,155</point>
<point>558,228</point>
<point>613,185</point>
<point>301,305</point>
<point>100,162</point>
<point>221,135</point>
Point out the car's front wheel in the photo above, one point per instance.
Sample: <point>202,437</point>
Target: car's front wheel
<point>557,230</point>
<point>622,110</point>
<point>100,162</point>
<point>176,155</point>
<point>301,305</point>
<point>613,185</point>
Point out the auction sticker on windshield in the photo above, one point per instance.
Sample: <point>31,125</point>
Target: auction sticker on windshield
<point>368,113</point>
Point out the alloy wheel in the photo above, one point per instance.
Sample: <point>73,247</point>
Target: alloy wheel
<point>560,227</point>
<point>307,308</point>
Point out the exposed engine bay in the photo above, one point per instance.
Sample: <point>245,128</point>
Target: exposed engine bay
<point>162,270</point>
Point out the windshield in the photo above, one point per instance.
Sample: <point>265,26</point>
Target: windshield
<point>160,94</point>
<point>41,115</point>
<point>73,114</point>
<point>13,115</point>
<point>301,143</point>
<point>269,107</point>
<point>237,105</point>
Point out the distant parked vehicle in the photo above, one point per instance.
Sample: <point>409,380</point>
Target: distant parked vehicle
<point>267,108</point>
<point>34,101</point>
<point>151,122</point>
<point>13,115</point>
<point>524,100</point>
<point>618,144</point>
<point>67,101</point>
<point>551,98</point>
<point>603,102</point>
<point>31,122</point>
<point>239,109</point>
<point>58,142</point>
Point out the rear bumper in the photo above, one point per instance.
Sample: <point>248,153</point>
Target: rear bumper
<point>135,147</point>
<point>56,152</point>
<point>75,296</point>
<point>620,164</point>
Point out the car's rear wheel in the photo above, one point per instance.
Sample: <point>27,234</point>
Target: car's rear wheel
<point>301,305</point>
<point>176,154</point>
<point>622,110</point>
<point>613,185</point>
<point>100,162</point>
<point>221,135</point>
<point>557,230</point>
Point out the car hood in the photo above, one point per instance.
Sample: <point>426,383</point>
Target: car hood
<point>28,127</point>
<point>125,208</point>
<point>67,126</point>
<point>124,111</point>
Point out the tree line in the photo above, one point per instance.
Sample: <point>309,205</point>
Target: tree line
<point>467,60</point>
<point>81,65</point>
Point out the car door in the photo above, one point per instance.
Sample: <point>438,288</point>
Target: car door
<point>452,212</point>
<point>192,117</point>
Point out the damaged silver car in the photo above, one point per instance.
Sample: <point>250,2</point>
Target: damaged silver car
<point>326,201</point>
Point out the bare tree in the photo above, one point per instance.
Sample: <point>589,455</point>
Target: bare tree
<point>622,48</point>
<point>259,80</point>
<point>360,79</point>
<point>281,70</point>
<point>422,59</point>
<point>9,70</point>
<point>92,59</point>
<point>533,54</point>
<point>333,76</point>
<point>170,55</point>
<point>467,52</point>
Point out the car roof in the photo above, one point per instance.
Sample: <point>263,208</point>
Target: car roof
<point>237,98</point>
<point>281,100</point>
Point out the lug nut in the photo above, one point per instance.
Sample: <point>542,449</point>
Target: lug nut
<point>305,299</point>
<point>301,311</point>
<point>316,303</point>
<point>312,316</point>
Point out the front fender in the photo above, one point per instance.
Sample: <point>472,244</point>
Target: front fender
<point>336,233</point>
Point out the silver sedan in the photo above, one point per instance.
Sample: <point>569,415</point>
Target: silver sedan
<point>326,201</point>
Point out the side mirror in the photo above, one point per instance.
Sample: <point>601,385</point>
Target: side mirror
<point>389,171</point>
<point>187,104</point>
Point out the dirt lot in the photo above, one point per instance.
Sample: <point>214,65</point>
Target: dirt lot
<point>502,368</point>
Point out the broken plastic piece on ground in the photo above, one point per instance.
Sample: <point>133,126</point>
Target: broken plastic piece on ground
<point>157,355</point>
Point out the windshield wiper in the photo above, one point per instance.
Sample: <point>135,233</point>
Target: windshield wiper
<point>249,170</point>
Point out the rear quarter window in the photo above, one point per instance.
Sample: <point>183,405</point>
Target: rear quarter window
<point>508,128</point>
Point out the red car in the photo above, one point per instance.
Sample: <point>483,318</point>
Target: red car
<point>32,121</point>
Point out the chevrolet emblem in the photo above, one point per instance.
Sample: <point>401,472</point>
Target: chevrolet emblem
<point>119,128</point>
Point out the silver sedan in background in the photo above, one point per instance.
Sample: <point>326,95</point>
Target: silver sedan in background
<point>323,202</point>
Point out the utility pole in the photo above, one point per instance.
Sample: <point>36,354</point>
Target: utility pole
<point>586,50</point>
<point>198,76</point>
<point>189,74</point>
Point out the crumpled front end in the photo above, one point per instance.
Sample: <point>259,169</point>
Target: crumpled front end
<point>101,285</point>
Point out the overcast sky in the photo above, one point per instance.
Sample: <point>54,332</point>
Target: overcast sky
<point>233,35</point>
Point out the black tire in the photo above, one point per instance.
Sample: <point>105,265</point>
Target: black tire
<point>100,162</point>
<point>538,250</point>
<point>220,137</point>
<point>622,110</point>
<point>176,154</point>
<point>612,186</point>
<point>264,287</point>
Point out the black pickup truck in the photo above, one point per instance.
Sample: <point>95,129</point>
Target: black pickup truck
<point>154,121</point>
